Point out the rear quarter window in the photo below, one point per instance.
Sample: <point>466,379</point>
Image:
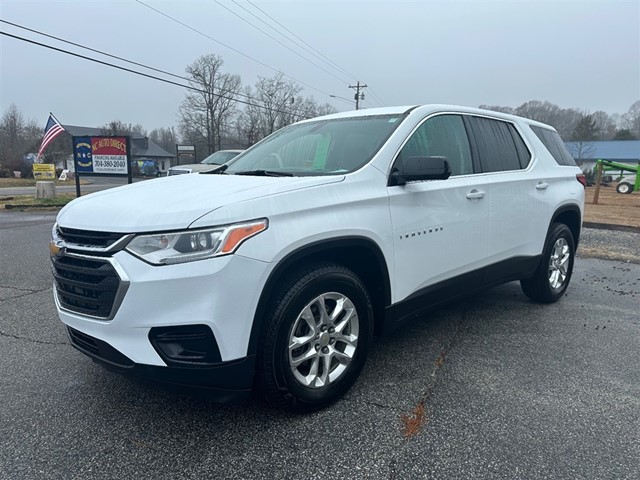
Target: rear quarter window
<point>555,145</point>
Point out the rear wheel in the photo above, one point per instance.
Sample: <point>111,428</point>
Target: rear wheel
<point>317,337</point>
<point>624,187</point>
<point>552,277</point>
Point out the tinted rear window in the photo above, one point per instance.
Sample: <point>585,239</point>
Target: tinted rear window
<point>555,145</point>
<point>496,145</point>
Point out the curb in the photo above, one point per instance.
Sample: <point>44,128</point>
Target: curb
<point>610,226</point>
<point>9,206</point>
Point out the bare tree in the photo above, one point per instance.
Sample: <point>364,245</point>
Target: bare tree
<point>498,108</point>
<point>605,124</point>
<point>276,95</point>
<point>248,122</point>
<point>581,150</point>
<point>165,137</point>
<point>206,114</point>
<point>117,127</point>
<point>17,138</point>
<point>631,119</point>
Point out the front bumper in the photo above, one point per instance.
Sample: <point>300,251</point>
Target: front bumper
<point>218,294</point>
<point>221,293</point>
<point>223,382</point>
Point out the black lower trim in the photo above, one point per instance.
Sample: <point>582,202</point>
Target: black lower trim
<point>444,292</point>
<point>226,381</point>
<point>98,349</point>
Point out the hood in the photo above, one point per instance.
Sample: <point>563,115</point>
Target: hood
<point>173,203</point>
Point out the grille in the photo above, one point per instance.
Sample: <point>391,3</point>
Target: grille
<point>86,286</point>
<point>88,238</point>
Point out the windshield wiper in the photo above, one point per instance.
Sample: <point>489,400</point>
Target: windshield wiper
<point>265,173</point>
<point>220,170</point>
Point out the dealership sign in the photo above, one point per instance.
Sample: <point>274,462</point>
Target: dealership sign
<point>44,171</point>
<point>107,156</point>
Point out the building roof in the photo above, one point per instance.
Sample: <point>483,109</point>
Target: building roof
<point>77,131</point>
<point>145,147</point>
<point>615,150</point>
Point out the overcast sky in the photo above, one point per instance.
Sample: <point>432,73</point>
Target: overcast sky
<point>582,54</point>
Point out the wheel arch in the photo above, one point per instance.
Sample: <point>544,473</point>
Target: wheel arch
<point>360,254</point>
<point>571,216</point>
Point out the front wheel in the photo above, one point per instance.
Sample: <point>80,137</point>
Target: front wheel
<point>316,341</point>
<point>624,187</point>
<point>552,277</point>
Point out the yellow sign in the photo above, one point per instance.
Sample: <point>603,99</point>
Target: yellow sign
<point>44,171</point>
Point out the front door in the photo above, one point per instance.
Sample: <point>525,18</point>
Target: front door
<point>440,227</point>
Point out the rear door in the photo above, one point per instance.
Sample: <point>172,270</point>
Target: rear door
<point>515,184</point>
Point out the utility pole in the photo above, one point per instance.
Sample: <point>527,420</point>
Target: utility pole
<point>358,96</point>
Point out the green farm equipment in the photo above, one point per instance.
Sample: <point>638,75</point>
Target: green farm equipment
<point>628,184</point>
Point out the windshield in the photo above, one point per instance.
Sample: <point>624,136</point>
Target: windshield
<point>219,157</point>
<point>323,147</point>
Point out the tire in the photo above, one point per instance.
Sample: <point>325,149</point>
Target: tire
<point>329,355</point>
<point>624,187</point>
<point>552,277</point>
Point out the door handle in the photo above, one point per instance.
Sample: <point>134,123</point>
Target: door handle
<point>475,194</point>
<point>542,186</point>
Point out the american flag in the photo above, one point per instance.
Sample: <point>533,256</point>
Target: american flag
<point>51,131</point>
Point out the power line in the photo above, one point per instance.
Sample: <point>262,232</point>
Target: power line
<point>119,58</point>
<point>290,39</point>
<point>147,75</point>
<point>327,59</point>
<point>278,41</point>
<point>376,97</point>
<point>229,47</point>
<point>296,36</point>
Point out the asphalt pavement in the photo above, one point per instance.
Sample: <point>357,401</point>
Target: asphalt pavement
<point>493,387</point>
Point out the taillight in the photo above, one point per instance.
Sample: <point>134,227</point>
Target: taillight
<point>582,179</point>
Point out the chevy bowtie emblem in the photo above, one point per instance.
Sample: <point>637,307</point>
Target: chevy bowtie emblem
<point>55,249</point>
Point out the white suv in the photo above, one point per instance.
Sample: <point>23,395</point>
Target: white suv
<point>276,269</point>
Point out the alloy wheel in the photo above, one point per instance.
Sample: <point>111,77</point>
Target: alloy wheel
<point>323,340</point>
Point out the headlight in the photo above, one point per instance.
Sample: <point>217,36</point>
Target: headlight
<point>191,245</point>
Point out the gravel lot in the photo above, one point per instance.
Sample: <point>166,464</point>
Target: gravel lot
<point>610,244</point>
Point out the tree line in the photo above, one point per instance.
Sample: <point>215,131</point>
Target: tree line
<point>579,125</point>
<point>219,111</point>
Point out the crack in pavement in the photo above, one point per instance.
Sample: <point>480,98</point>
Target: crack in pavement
<point>31,340</point>
<point>28,292</point>
<point>414,422</point>
<point>418,413</point>
<point>18,288</point>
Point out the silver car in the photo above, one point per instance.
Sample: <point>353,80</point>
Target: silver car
<point>212,161</point>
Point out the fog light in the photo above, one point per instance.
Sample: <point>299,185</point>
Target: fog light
<point>186,345</point>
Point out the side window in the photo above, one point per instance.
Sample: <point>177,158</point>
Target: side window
<point>555,145</point>
<point>496,145</point>
<point>524,155</point>
<point>441,136</point>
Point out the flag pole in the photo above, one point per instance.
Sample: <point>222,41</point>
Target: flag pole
<point>56,119</point>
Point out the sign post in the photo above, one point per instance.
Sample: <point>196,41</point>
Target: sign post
<point>186,152</point>
<point>102,156</point>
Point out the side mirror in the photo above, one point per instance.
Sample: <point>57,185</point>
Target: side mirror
<point>420,168</point>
